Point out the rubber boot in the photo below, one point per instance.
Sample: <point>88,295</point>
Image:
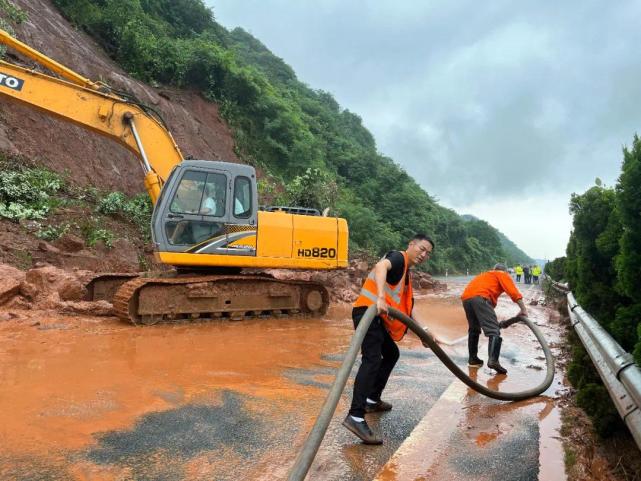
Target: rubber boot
<point>493,352</point>
<point>473,348</point>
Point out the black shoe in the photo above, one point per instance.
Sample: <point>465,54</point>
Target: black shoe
<point>379,407</point>
<point>474,361</point>
<point>362,430</point>
<point>494,350</point>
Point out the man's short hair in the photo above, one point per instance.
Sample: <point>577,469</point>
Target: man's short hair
<point>423,237</point>
<point>500,267</point>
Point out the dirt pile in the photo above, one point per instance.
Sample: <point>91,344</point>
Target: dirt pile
<point>345,284</point>
<point>47,288</point>
<point>20,248</point>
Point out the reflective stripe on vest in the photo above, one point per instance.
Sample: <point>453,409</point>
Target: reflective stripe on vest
<point>395,293</point>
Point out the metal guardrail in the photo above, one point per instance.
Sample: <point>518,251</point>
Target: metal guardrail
<point>621,376</point>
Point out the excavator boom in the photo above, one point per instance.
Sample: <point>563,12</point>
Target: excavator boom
<point>95,107</point>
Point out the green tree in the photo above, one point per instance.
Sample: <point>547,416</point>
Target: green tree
<point>628,262</point>
<point>556,269</point>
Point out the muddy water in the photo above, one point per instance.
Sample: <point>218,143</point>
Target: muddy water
<point>94,399</point>
<point>66,381</point>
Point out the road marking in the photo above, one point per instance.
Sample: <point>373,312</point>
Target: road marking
<point>422,448</point>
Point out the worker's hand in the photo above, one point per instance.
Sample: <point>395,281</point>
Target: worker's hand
<point>523,312</point>
<point>381,305</point>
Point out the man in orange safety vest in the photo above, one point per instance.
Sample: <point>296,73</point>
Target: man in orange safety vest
<point>388,284</point>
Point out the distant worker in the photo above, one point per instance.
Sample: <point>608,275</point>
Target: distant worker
<point>536,273</point>
<point>519,272</point>
<point>479,300</point>
<point>526,274</point>
<point>388,284</point>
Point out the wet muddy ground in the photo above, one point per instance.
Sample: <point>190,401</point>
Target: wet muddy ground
<point>87,398</point>
<point>470,437</point>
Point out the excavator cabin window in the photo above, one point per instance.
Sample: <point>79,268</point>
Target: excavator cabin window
<point>202,197</point>
<point>200,193</point>
<point>242,197</point>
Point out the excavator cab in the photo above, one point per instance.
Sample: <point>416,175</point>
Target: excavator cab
<point>207,207</point>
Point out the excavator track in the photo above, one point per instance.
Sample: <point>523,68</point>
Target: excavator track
<point>103,286</point>
<point>235,297</point>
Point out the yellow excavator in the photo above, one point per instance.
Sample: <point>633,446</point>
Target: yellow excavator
<point>206,220</point>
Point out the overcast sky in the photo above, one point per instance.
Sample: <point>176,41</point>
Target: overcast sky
<point>498,109</point>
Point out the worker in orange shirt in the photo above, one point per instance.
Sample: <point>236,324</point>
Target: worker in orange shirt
<point>479,300</point>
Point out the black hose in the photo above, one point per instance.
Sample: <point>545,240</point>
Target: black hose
<point>425,336</point>
<point>316,435</point>
<point>312,443</point>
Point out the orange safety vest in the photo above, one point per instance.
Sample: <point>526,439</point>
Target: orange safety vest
<point>397,296</point>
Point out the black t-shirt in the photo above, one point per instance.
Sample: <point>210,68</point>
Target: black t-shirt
<point>394,276</point>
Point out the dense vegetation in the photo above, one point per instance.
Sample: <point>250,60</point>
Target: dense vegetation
<point>495,242</point>
<point>602,265</point>
<point>297,135</point>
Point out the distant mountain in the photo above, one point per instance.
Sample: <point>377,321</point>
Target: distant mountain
<point>511,253</point>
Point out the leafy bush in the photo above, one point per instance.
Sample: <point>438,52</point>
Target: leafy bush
<point>92,232</point>
<point>112,203</point>
<point>28,193</point>
<point>52,232</point>
<point>10,14</point>
<point>137,209</point>
<point>314,189</point>
<point>556,269</point>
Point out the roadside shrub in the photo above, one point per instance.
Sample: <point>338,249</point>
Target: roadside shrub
<point>595,400</point>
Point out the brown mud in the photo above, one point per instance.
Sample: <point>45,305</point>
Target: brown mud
<point>78,387</point>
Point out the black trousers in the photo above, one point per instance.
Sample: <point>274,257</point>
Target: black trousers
<point>379,356</point>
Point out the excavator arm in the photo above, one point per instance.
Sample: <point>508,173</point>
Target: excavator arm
<point>93,106</point>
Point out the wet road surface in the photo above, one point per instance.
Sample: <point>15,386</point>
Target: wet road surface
<point>94,399</point>
<point>470,437</point>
